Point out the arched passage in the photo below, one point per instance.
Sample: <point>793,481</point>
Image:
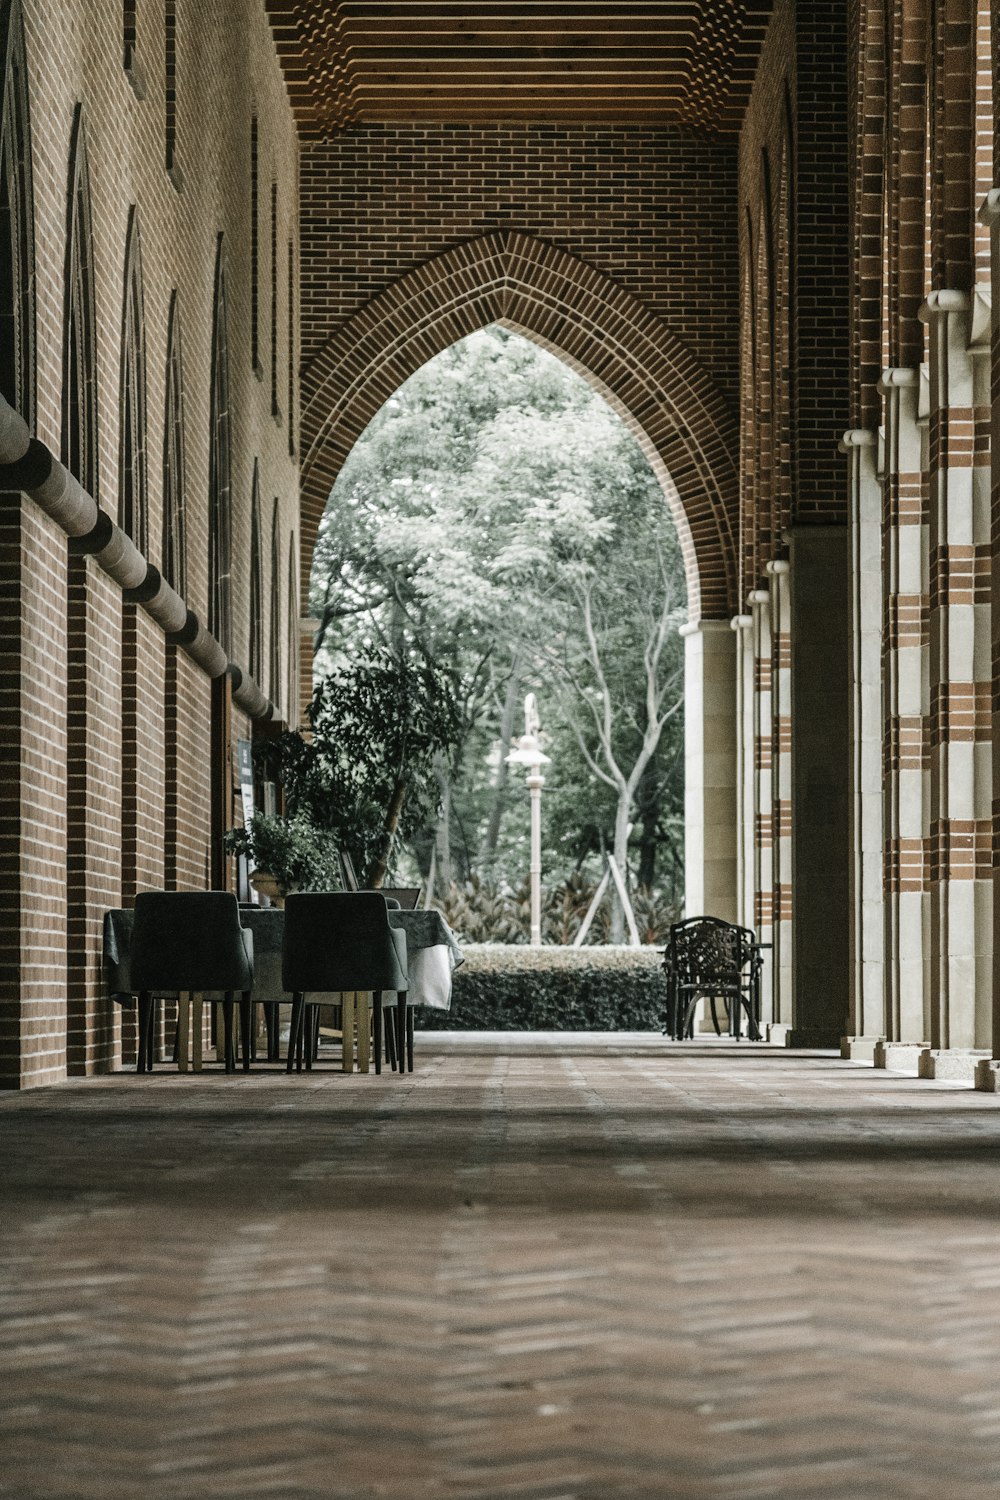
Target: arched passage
<point>648,376</point>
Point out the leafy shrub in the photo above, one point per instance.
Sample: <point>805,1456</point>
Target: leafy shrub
<point>480,911</point>
<point>507,988</point>
<point>300,856</point>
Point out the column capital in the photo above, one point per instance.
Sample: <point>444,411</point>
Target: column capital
<point>941,302</point>
<point>898,377</point>
<point>703,627</point>
<point>989,213</point>
<point>778,568</point>
<point>759,596</point>
<point>857,437</point>
<point>741,622</point>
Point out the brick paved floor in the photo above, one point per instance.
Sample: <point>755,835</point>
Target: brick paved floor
<point>693,1272</point>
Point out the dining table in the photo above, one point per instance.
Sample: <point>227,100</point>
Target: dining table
<point>433,954</point>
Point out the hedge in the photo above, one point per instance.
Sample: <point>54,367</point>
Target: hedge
<point>512,988</point>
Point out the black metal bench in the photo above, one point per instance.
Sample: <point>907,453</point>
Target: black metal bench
<point>709,959</point>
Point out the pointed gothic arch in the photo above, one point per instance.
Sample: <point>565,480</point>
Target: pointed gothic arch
<point>79,413</point>
<point>132,498</point>
<point>220,469</point>
<point>173,548</point>
<point>17,233</point>
<point>650,378</point>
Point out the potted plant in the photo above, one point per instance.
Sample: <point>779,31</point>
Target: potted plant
<point>286,854</point>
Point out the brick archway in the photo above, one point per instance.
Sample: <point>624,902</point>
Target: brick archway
<point>649,377</point>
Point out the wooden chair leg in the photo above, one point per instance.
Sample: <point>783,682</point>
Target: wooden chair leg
<point>361,999</point>
<point>246,1026</point>
<point>390,1040</point>
<point>309,1022</point>
<point>377,1030</point>
<point>227,1021</point>
<point>347,1030</point>
<point>183,1031</point>
<point>401,1029</point>
<point>198,1028</point>
<point>293,1030</point>
<point>409,1039</point>
<point>154,1009</point>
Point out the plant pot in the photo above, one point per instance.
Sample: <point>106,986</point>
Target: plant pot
<point>265,884</point>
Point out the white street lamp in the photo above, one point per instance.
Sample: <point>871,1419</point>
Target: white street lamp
<point>528,753</point>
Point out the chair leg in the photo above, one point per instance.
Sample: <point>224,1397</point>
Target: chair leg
<point>271,1021</point>
<point>409,1039</point>
<point>154,1015</point>
<point>246,1027</point>
<point>183,1031</point>
<point>364,1030</point>
<point>227,1022</point>
<point>144,1004</point>
<point>308,1044</point>
<point>293,1029</point>
<point>401,1029</point>
<point>390,1041</point>
<point>198,1028</point>
<point>377,1030</point>
<point>347,1032</point>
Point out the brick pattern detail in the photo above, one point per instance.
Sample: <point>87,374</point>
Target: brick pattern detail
<point>960,574</point>
<point>907,621</point>
<point>907,744</point>
<point>961,849</point>
<point>907,865</point>
<point>961,712</point>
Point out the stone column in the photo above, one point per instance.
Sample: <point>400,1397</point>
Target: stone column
<point>760,603</point>
<point>906,697</point>
<point>960,755</point>
<point>988,1070</point>
<point>710,880</point>
<point>741,624</point>
<point>781,796</point>
<point>820,785</point>
<point>866,1017</point>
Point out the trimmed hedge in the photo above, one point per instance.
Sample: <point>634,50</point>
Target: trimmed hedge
<point>512,988</point>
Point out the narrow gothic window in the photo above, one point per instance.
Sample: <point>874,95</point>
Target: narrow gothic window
<point>170,90</point>
<point>79,417</point>
<point>17,236</point>
<point>293,631</point>
<point>173,549</point>
<point>256,652</point>
<point>275,621</point>
<point>132,446</point>
<point>254,249</point>
<point>275,412</point>
<point>219,496</point>
<point>291,349</point>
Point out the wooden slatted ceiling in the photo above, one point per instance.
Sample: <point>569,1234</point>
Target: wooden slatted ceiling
<point>685,61</point>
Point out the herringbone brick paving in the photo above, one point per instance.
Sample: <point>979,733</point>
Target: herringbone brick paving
<point>699,1271</point>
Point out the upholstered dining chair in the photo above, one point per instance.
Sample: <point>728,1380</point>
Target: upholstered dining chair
<point>340,943</point>
<point>189,943</point>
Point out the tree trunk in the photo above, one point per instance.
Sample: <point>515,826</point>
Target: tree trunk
<point>445,873</point>
<point>377,873</point>
<point>488,857</point>
<point>620,852</point>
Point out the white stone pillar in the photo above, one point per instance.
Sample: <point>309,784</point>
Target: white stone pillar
<point>960,681</point>
<point>781,793</point>
<point>906,705</point>
<point>762,730</point>
<point>710,760</point>
<point>867,999</point>
<point>745,861</point>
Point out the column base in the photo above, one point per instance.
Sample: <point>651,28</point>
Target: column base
<point>956,1064</point>
<point>858,1048</point>
<point>813,1036</point>
<point>898,1057</point>
<point>987,1079</point>
<point>777,1033</point>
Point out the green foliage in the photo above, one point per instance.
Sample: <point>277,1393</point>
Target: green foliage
<point>554,989</point>
<point>300,856</point>
<point>480,911</point>
<point>497,515</point>
<point>364,776</point>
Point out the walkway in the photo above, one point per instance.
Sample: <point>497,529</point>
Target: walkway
<point>697,1271</point>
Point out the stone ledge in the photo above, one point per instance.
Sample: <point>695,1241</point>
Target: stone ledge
<point>957,1064</point>
<point>858,1048</point>
<point>987,1079</point>
<point>898,1057</point>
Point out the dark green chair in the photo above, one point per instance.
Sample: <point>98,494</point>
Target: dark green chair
<point>190,942</point>
<point>336,942</point>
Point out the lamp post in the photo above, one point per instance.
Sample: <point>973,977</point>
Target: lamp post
<point>528,753</point>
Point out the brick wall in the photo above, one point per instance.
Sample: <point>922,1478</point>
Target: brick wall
<point>97,818</point>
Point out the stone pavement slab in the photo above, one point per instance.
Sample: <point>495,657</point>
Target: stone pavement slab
<point>696,1270</point>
